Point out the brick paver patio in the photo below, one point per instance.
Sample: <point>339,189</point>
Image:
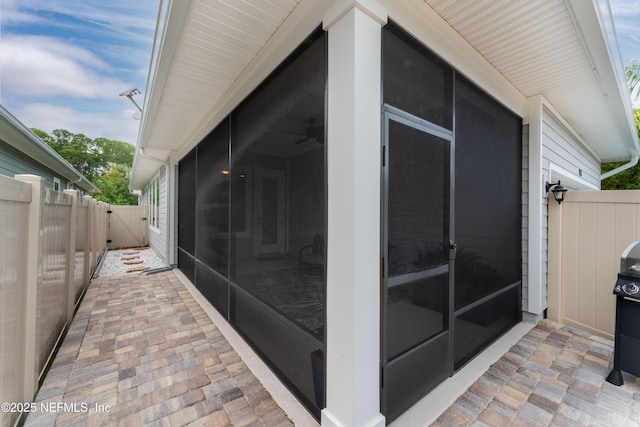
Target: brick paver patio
<point>553,376</point>
<point>141,351</point>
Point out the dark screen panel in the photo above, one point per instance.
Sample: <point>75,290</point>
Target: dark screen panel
<point>213,286</point>
<point>416,312</point>
<point>186,264</point>
<point>297,358</point>
<point>480,326</point>
<point>487,195</point>
<point>278,191</point>
<point>212,200</point>
<point>278,208</point>
<point>418,200</point>
<point>415,80</point>
<point>187,202</point>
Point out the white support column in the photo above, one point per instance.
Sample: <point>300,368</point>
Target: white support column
<point>536,292</point>
<point>172,161</point>
<point>31,283</point>
<point>353,242</point>
<point>71,254</point>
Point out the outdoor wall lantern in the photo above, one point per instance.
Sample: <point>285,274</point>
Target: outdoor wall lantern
<point>557,189</point>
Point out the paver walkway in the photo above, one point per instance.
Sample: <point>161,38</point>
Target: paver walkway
<point>142,352</point>
<point>553,376</point>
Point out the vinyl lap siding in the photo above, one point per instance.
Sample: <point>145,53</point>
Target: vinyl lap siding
<point>13,162</point>
<point>559,148</point>
<point>562,149</point>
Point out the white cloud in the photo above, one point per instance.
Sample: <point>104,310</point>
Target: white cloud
<point>625,8</point>
<point>112,125</point>
<point>12,14</point>
<point>124,19</point>
<point>44,66</point>
<point>626,15</point>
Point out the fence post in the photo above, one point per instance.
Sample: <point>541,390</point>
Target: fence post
<point>31,283</point>
<point>103,227</point>
<point>90,237</point>
<point>554,261</point>
<point>86,268</point>
<point>70,273</point>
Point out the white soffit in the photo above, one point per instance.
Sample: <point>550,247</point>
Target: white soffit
<point>217,42</point>
<point>211,53</point>
<point>539,47</point>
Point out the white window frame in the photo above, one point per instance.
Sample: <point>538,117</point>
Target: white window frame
<point>57,185</point>
<point>153,201</point>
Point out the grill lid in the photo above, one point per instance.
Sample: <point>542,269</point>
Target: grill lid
<point>630,260</point>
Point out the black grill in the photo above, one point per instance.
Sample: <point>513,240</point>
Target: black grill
<point>626,356</point>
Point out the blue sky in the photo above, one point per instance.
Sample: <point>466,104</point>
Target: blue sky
<point>626,18</point>
<point>64,62</point>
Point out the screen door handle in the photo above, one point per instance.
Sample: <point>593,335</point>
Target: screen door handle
<point>453,249</point>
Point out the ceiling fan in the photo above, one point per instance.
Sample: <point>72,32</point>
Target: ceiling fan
<point>312,133</point>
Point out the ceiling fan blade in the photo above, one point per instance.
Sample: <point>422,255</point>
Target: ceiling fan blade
<point>300,141</point>
<point>293,133</point>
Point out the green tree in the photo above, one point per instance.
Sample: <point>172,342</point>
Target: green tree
<point>114,186</point>
<point>76,149</point>
<point>115,152</point>
<point>633,77</point>
<point>105,162</point>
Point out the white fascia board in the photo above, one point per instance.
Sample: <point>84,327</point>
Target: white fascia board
<point>594,22</point>
<point>569,179</point>
<point>146,162</point>
<point>169,26</point>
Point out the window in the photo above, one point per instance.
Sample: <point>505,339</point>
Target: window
<point>153,195</point>
<point>56,184</point>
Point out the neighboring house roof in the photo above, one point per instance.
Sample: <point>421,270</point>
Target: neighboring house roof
<point>208,56</point>
<point>18,136</point>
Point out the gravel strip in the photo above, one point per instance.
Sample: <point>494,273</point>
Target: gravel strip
<point>114,265</point>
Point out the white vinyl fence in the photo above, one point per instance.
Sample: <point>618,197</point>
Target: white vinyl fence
<point>50,244</point>
<point>587,235</point>
<point>127,226</point>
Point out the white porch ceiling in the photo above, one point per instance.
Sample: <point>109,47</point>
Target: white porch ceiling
<point>217,42</point>
<point>543,48</point>
<point>210,54</point>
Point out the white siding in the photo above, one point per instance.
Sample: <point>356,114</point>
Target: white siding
<point>560,149</point>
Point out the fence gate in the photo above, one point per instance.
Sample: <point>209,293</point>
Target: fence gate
<point>127,226</point>
<point>587,235</point>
